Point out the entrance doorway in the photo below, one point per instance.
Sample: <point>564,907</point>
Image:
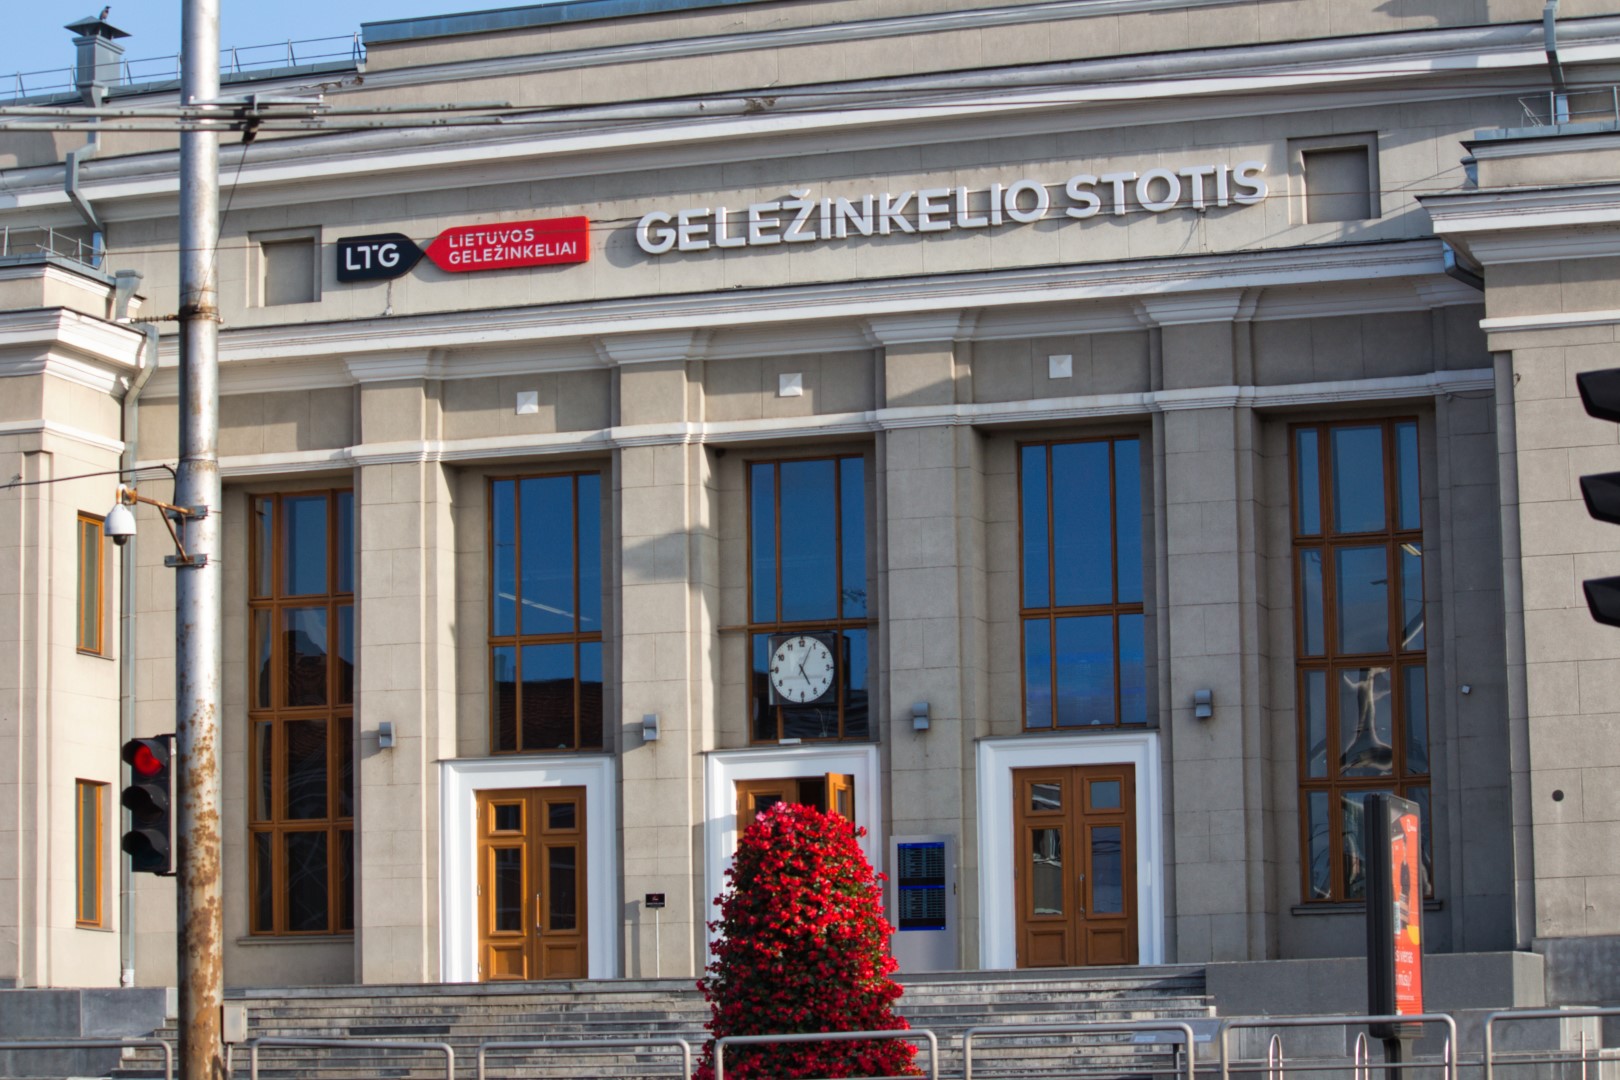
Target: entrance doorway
<point>531,884</point>
<point>830,793</point>
<point>1076,865</point>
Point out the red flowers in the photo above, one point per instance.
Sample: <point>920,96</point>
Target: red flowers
<point>804,948</point>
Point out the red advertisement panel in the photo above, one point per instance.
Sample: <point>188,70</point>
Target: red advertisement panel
<point>1406,873</point>
<point>508,244</point>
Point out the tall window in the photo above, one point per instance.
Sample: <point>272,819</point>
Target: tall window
<point>301,710</point>
<point>807,573</point>
<point>91,854</point>
<point>1080,526</point>
<point>545,613</point>
<point>92,576</point>
<point>1362,682</point>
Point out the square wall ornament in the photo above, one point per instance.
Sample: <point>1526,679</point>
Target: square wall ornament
<point>528,402</point>
<point>790,384</point>
<point>1060,366</point>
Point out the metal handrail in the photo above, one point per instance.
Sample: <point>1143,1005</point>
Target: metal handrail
<point>1448,1060</point>
<point>1086,1028</point>
<point>1534,1057</point>
<point>825,1036</point>
<point>499,1046</point>
<point>351,1044</point>
<point>96,1044</point>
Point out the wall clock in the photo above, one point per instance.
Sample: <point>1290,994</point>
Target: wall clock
<point>803,668</point>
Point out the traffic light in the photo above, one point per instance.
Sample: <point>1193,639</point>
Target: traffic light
<point>1600,393</point>
<point>150,799</point>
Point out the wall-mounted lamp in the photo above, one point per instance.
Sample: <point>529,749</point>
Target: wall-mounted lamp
<point>919,716</point>
<point>1203,704</point>
<point>385,735</point>
<point>649,727</point>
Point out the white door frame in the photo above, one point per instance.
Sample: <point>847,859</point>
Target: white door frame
<point>460,782</point>
<point>997,758</point>
<point>723,768</point>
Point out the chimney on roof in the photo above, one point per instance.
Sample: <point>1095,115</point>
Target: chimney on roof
<point>99,53</point>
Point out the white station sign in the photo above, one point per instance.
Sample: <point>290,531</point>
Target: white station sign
<point>801,219</point>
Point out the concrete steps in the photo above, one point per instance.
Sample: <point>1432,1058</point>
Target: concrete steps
<point>466,1015</point>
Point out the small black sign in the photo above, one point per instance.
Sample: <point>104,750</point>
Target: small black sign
<point>654,900</point>
<point>376,258</point>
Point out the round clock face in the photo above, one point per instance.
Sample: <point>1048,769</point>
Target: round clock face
<point>802,669</point>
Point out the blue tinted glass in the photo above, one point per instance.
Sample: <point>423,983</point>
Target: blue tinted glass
<point>590,695</point>
<point>1085,671</point>
<point>304,653</point>
<point>345,669</point>
<point>546,558</point>
<point>1361,583</point>
<point>1411,559</point>
<point>1038,673</point>
<point>548,697</point>
<point>856,724</point>
<point>764,715</point>
<point>1406,476</point>
<point>1132,671</point>
<point>1310,602</point>
<point>503,535</point>
<point>1308,482</point>
<point>1420,795</point>
<point>1353,805</point>
<point>1366,722</point>
<point>590,552</point>
<point>852,526</point>
<point>1032,493</point>
<point>1319,872</point>
<point>762,541</point>
<point>1415,695</point>
<point>303,568</point>
<point>345,542</point>
<point>264,546</point>
<point>1082,556</point>
<point>1107,871</point>
<point>1314,704</point>
<point>503,699</point>
<point>809,541</point>
<point>1128,519</point>
<point>1358,479</point>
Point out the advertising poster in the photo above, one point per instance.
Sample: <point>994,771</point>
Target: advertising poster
<point>1405,843</point>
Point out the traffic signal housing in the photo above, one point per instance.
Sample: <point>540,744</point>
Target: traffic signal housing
<point>1600,394</point>
<point>149,798</point>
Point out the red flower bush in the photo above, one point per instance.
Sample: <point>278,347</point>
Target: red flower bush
<point>803,947</point>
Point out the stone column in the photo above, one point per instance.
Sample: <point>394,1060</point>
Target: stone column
<point>933,638</point>
<point>406,625</point>
<point>1209,460</point>
<point>668,578</point>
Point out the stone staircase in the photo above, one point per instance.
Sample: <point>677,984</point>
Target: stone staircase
<point>466,1015</point>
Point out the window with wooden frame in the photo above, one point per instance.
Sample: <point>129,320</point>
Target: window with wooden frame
<point>301,713</point>
<point>545,613</point>
<point>92,582</point>
<point>1361,676</point>
<point>807,574</point>
<point>1080,546</point>
<point>90,854</point>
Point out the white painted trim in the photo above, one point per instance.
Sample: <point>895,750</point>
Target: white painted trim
<point>502,447</point>
<point>723,768</point>
<point>1557,320</point>
<point>62,431</point>
<point>997,758</point>
<point>460,781</point>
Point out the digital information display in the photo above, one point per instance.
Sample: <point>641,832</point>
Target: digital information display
<point>920,887</point>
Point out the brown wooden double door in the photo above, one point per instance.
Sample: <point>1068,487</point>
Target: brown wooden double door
<point>1076,868</point>
<point>531,884</point>
<point>832,793</point>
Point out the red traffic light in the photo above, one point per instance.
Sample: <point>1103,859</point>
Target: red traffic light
<point>147,757</point>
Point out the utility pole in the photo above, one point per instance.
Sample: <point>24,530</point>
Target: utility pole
<point>198,701</point>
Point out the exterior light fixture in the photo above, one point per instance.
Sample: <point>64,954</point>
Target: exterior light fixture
<point>919,716</point>
<point>119,524</point>
<point>1203,704</point>
<point>649,727</point>
<point>385,735</point>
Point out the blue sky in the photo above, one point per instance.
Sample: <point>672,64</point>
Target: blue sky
<point>34,38</point>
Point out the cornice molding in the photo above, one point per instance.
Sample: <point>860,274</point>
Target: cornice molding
<point>57,430</point>
<point>988,414</point>
<point>652,348</point>
<point>1220,305</point>
<point>1518,225</point>
<point>919,329</point>
<point>1558,320</point>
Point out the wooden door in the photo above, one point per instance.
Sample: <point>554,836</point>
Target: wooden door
<point>1076,869</point>
<point>831,793</point>
<point>531,884</point>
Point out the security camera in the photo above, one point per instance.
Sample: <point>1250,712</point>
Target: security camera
<point>119,525</point>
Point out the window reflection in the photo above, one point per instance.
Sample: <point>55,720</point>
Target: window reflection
<point>1107,871</point>
<point>1046,871</point>
<point>1357,468</point>
<point>1366,722</point>
<point>303,567</point>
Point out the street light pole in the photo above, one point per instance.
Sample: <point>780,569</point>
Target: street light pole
<point>198,701</point>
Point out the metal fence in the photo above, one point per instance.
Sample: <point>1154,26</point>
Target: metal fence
<point>255,1045</point>
<point>1276,1065</point>
<point>1495,1057</point>
<point>1180,1063</point>
<point>96,1044</point>
<point>827,1036</point>
<point>564,1045</point>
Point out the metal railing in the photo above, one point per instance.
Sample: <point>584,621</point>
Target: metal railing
<point>1551,108</point>
<point>351,1044</point>
<point>1010,1031</point>
<point>1495,1057</point>
<point>46,240</point>
<point>826,1036</point>
<point>502,1047</point>
<point>97,1044</point>
<point>1360,1059</point>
